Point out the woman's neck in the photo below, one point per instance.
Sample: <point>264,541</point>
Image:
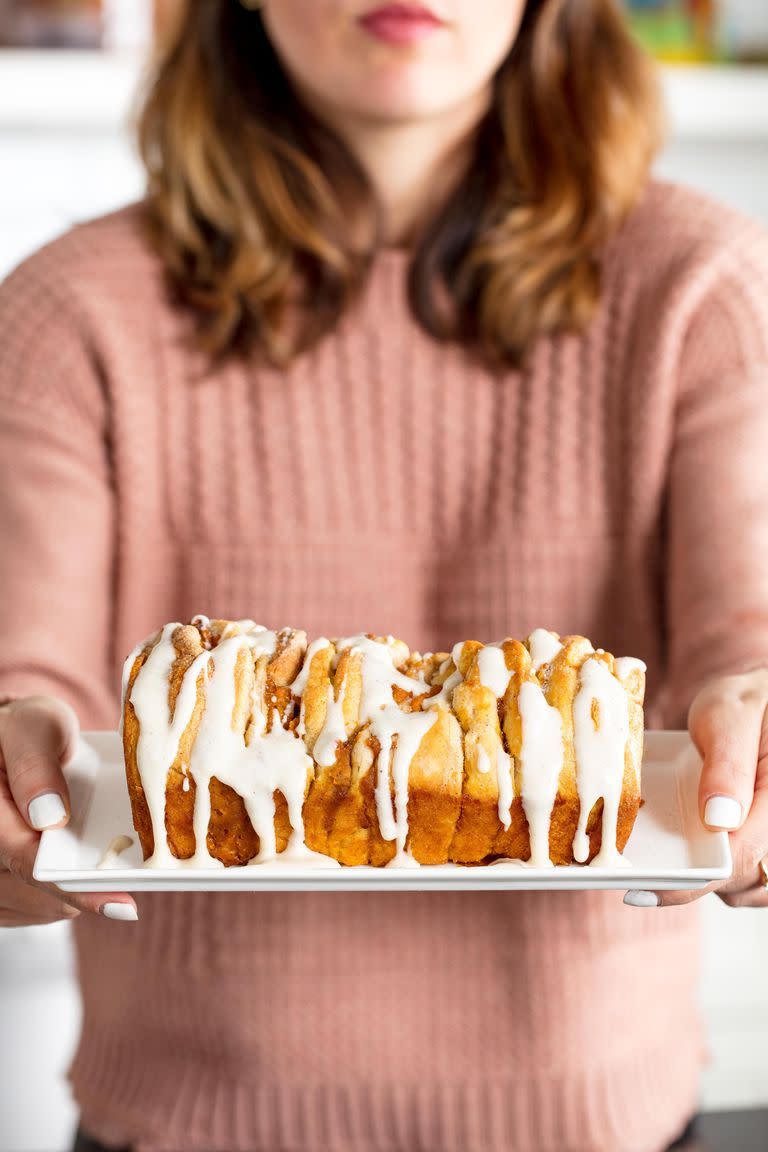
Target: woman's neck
<point>412,165</point>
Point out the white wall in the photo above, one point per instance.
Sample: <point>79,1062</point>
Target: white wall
<point>732,170</point>
<point>64,157</point>
<point>731,164</point>
<point>734,996</point>
<point>40,1015</point>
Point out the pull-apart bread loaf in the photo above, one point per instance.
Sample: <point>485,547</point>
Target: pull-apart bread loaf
<point>241,743</point>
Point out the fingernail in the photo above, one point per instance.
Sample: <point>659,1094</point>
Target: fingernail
<point>119,911</point>
<point>637,899</point>
<point>722,812</point>
<point>46,810</point>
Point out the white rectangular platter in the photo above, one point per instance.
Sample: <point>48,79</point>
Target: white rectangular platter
<point>669,847</point>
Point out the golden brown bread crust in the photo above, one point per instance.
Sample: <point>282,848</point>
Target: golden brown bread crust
<point>231,838</point>
<point>179,804</point>
<point>453,799</point>
<point>477,710</point>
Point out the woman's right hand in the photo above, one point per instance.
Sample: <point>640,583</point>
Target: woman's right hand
<point>38,735</point>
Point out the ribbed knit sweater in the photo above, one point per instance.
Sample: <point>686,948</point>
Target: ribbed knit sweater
<point>617,487</point>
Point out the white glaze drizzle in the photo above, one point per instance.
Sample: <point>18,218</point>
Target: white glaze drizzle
<point>126,675</point>
<point>234,627</point>
<point>333,731</point>
<point>599,756</point>
<point>541,761</point>
<point>492,668</point>
<point>442,699</point>
<point>543,647</point>
<point>379,674</point>
<point>116,846</point>
<point>278,761</point>
<point>626,665</point>
<point>272,761</point>
<point>506,785</point>
<point>445,695</point>
<point>159,735</point>
<point>495,676</point>
<point>299,685</point>
<point>399,733</point>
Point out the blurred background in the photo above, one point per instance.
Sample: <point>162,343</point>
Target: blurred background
<point>69,72</point>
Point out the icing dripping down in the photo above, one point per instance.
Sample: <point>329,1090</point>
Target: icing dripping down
<point>493,670</point>
<point>543,647</point>
<point>274,759</point>
<point>159,731</point>
<point>506,786</point>
<point>445,695</point>
<point>495,676</point>
<point>334,730</point>
<point>300,683</point>
<point>600,732</point>
<point>541,761</point>
<point>262,756</point>
<point>398,733</point>
<point>126,675</point>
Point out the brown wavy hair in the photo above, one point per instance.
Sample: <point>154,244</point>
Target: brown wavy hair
<point>250,196</point>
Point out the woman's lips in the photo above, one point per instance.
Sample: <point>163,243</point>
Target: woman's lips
<point>400,23</point>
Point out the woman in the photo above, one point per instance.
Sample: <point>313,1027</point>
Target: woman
<point>402,340</point>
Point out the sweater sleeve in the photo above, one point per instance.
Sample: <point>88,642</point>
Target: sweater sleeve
<point>717,551</point>
<point>56,505</point>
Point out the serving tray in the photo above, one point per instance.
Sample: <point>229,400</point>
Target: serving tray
<point>669,847</point>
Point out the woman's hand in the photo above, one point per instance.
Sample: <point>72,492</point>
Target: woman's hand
<point>728,722</point>
<point>37,736</point>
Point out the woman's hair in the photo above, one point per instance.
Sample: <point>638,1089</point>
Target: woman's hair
<point>253,202</point>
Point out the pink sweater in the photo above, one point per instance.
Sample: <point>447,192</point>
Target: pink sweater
<point>618,488</point>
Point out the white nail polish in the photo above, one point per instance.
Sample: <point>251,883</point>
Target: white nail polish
<point>46,810</point>
<point>119,911</point>
<point>638,899</point>
<point>722,812</point>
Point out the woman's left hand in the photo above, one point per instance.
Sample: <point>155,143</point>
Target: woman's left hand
<point>728,722</point>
